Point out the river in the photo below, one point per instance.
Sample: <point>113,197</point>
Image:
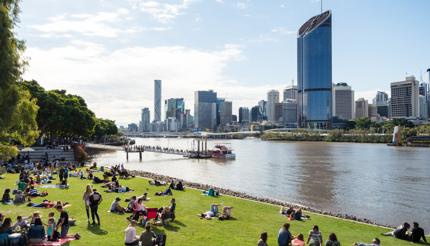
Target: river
<point>388,185</point>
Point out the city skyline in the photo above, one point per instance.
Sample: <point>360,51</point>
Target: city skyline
<point>116,49</point>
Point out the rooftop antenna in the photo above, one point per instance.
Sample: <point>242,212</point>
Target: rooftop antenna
<point>321,6</point>
<point>292,83</point>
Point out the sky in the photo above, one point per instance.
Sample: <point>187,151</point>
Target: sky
<point>110,51</point>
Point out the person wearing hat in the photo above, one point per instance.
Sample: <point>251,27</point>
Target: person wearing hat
<point>115,207</point>
<point>130,234</point>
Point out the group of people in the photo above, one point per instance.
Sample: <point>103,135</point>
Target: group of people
<point>214,212</point>
<point>315,238</point>
<point>402,232</point>
<point>293,213</point>
<point>32,230</point>
<point>147,238</point>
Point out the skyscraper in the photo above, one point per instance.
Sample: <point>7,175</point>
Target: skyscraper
<point>262,105</point>
<point>405,98</point>
<point>272,100</point>
<point>145,122</point>
<point>343,101</point>
<point>225,112</point>
<point>423,107</point>
<point>290,92</point>
<point>243,115</point>
<point>157,100</point>
<point>314,72</point>
<point>205,109</point>
<point>361,108</point>
<point>382,104</point>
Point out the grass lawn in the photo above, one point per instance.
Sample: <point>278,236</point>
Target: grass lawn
<point>250,218</point>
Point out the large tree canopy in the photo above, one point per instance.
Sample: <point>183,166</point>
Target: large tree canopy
<point>67,116</point>
<point>17,109</point>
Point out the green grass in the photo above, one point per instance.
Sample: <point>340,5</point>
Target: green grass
<point>250,218</point>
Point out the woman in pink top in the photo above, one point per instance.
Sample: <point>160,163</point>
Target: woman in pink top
<point>298,241</point>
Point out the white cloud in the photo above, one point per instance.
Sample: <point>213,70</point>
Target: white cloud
<point>162,11</point>
<point>101,24</point>
<point>283,31</point>
<point>118,83</point>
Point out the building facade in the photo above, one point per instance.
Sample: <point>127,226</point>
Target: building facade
<point>343,101</point>
<point>243,115</point>
<point>423,107</point>
<point>262,104</point>
<point>290,92</point>
<point>145,120</point>
<point>361,108</point>
<point>157,100</point>
<point>405,98</point>
<point>225,113</point>
<point>289,115</point>
<point>272,100</point>
<point>314,72</point>
<point>205,113</point>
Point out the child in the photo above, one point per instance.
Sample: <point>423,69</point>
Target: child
<point>50,229</point>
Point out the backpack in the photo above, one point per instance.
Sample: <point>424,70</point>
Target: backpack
<point>95,198</point>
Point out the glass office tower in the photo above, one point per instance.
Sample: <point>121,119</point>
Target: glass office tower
<point>314,73</point>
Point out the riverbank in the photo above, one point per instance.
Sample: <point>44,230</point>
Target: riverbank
<point>250,217</point>
<point>331,136</point>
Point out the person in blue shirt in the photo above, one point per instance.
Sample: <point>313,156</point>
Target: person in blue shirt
<point>284,235</point>
<point>36,233</point>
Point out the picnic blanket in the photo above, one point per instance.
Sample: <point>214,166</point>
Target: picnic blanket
<point>62,241</point>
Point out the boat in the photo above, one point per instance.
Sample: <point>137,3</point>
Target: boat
<point>223,152</point>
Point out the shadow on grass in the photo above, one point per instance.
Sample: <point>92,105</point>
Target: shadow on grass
<point>95,229</point>
<point>179,223</point>
<point>171,227</point>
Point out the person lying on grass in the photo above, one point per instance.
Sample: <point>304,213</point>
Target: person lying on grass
<point>167,192</point>
<point>48,204</point>
<point>213,212</point>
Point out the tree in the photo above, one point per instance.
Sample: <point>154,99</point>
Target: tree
<point>363,123</point>
<point>17,109</point>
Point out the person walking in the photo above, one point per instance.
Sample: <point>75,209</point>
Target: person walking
<point>86,199</point>
<point>95,200</point>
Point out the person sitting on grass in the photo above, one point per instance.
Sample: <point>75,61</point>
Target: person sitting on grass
<point>147,238</point>
<point>138,209</point>
<point>226,213</point>
<point>36,233</point>
<point>375,242</point>
<point>130,234</point>
<point>21,223</point>
<point>22,185</point>
<point>315,237</point>
<point>211,192</point>
<point>332,240</point>
<point>211,213</point>
<point>286,212</point>
<point>263,239</point>
<point>167,192</point>
<point>19,197</point>
<point>156,182</point>
<point>6,227</point>
<point>284,235</point>
<point>298,241</point>
<point>131,204</point>
<point>6,197</point>
<point>115,207</point>
<point>418,233</point>
<point>401,232</point>
<point>179,186</point>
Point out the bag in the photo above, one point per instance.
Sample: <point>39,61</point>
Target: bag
<point>55,236</point>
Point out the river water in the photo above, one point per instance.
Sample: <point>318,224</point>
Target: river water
<point>389,185</point>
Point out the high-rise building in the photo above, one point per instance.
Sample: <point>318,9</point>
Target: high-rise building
<point>423,107</point>
<point>290,92</point>
<point>157,100</point>
<point>405,98</point>
<point>175,107</point>
<point>314,72</point>
<point>381,101</point>
<point>132,127</point>
<point>243,115</point>
<point>188,120</point>
<point>373,112</point>
<point>361,108</point>
<point>225,112</point>
<point>205,110</point>
<point>279,110</point>
<point>289,115</point>
<point>272,100</point>
<point>145,121</point>
<point>263,109</point>
<point>343,101</point>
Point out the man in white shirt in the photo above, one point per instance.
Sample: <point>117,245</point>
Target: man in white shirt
<point>130,234</point>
